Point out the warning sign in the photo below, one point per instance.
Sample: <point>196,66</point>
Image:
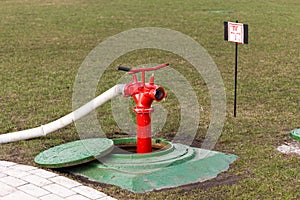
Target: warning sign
<point>236,32</point>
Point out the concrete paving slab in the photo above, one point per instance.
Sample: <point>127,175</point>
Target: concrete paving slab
<point>36,180</point>
<point>23,182</point>
<point>33,190</point>
<point>66,182</point>
<point>12,181</point>
<point>89,192</point>
<point>6,189</point>
<point>51,197</point>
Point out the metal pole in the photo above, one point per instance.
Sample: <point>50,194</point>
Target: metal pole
<point>235,77</point>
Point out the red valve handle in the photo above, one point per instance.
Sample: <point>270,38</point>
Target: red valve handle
<point>143,70</point>
<point>133,71</point>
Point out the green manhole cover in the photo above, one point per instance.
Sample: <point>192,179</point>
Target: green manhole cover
<point>295,134</point>
<point>74,153</point>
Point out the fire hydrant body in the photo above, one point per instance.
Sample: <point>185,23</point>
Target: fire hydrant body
<point>144,94</point>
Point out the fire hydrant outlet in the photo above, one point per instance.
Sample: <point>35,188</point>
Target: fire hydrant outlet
<point>160,94</point>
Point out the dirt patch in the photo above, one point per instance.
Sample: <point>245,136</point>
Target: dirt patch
<point>223,179</point>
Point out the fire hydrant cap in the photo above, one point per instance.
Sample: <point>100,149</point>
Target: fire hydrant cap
<point>74,153</point>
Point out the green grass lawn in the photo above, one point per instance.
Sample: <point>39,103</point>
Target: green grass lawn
<point>43,43</point>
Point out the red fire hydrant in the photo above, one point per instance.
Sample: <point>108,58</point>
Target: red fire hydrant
<point>143,94</point>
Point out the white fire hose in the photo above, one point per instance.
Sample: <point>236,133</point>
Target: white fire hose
<point>43,130</point>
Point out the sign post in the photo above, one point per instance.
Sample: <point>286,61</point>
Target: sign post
<point>237,33</point>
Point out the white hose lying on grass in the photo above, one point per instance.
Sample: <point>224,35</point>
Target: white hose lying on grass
<point>65,120</point>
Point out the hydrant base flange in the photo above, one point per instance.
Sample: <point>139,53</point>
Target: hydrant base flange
<point>140,173</point>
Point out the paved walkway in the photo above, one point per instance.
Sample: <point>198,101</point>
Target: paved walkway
<point>23,182</point>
